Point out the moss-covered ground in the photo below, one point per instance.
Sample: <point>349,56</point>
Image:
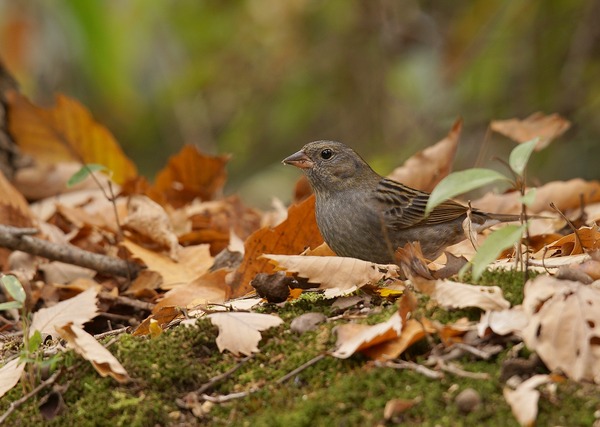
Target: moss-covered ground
<point>332,392</point>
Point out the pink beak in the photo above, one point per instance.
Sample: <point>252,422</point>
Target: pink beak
<point>299,159</point>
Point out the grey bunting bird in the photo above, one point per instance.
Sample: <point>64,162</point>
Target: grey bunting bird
<point>363,215</point>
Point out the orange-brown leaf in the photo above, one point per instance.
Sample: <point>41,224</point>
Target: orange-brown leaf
<point>189,175</point>
<point>66,132</point>
<point>291,237</point>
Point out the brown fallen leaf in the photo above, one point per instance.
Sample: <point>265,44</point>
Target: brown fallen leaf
<point>523,400</point>
<point>337,275</point>
<point>90,349</point>
<point>66,132</point>
<point>14,209</point>
<point>451,294</point>
<point>427,168</point>
<point>537,125</point>
<point>412,331</point>
<point>240,332</point>
<point>298,232</point>
<point>354,337</point>
<point>193,262</point>
<point>565,195</point>
<point>77,311</point>
<point>151,222</point>
<point>189,174</point>
<point>208,288</point>
<point>564,326</point>
<point>161,317</point>
<point>584,240</point>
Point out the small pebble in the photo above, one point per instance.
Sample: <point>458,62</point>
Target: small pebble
<point>467,400</point>
<point>307,322</point>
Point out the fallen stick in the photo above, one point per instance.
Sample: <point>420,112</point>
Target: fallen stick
<point>19,239</point>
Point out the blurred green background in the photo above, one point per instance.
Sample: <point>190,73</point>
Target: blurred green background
<point>260,78</point>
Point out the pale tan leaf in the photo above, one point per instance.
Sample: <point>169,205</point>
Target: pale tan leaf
<point>240,332</point>
<point>564,326</point>
<point>427,168</point>
<point>523,400</point>
<point>77,310</point>
<point>451,294</point>
<point>537,125</point>
<point>149,219</point>
<point>90,349</point>
<point>193,262</point>
<point>564,194</point>
<point>503,322</point>
<point>337,275</point>
<point>352,338</point>
<point>61,273</point>
<point>10,374</point>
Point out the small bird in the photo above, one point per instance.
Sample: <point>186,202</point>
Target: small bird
<point>363,215</point>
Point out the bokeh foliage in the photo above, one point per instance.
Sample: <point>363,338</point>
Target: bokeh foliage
<point>259,78</point>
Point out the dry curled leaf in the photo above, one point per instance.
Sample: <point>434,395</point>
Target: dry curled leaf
<point>564,326</point>
<point>90,349</point>
<point>354,337</point>
<point>537,125</point>
<point>337,275</point>
<point>193,262</point>
<point>523,400</point>
<point>77,311</point>
<point>427,168</point>
<point>298,232</point>
<point>564,194</point>
<point>451,294</point>
<point>208,288</point>
<point>189,174</point>
<point>10,374</point>
<point>240,332</point>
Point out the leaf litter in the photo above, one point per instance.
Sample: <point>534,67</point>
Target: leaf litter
<point>178,226</point>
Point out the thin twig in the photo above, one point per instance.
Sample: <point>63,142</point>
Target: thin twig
<point>420,369</point>
<point>300,368</point>
<point>221,377</point>
<point>111,333</point>
<point>130,302</point>
<point>485,355</point>
<point>454,369</point>
<point>14,405</point>
<point>232,396</point>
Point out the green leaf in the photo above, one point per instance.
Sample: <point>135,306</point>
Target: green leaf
<point>460,182</point>
<point>529,197</point>
<point>519,156</point>
<point>84,172</point>
<point>10,305</point>
<point>14,288</point>
<point>493,246</point>
<point>35,341</point>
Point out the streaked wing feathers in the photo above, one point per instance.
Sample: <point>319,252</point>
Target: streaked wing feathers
<point>405,207</point>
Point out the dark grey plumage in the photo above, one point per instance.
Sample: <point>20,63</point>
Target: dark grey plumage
<point>363,215</point>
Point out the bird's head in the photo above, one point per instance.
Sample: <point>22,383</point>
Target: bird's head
<point>331,166</point>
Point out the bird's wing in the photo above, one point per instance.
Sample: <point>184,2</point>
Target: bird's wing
<point>405,207</point>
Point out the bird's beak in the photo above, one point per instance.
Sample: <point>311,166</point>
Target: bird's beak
<point>299,159</point>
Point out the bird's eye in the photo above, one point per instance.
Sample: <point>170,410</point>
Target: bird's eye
<point>326,153</point>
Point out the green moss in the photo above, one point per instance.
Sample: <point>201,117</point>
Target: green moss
<point>331,392</point>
